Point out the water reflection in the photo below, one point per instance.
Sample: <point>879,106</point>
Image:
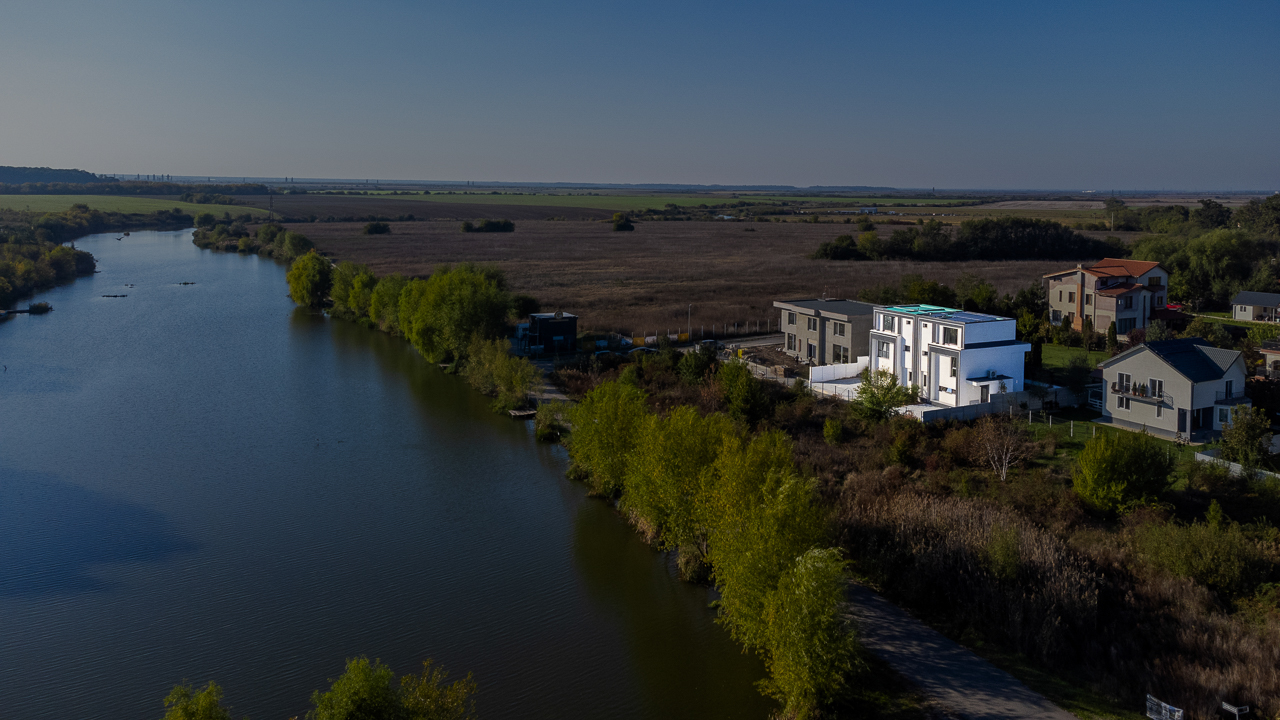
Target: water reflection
<point>53,534</point>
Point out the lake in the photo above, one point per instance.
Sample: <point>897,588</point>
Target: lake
<point>204,482</point>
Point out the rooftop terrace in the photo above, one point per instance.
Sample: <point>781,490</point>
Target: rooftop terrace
<point>943,313</point>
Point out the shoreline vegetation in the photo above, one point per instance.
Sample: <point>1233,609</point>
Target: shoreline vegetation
<point>366,690</point>
<point>33,257</point>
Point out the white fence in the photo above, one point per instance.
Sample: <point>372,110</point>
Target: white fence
<point>1236,469</point>
<point>839,371</point>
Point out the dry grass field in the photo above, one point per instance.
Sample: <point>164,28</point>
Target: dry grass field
<point>645,281</point>
<point>395,206</point>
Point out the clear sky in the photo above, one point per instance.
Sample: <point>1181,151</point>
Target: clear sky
<point>1070,95</point>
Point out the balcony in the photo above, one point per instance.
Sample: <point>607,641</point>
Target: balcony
<point>1141,394</point>
<point>1223,397</point>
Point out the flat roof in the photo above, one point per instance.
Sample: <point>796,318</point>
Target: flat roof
<point>944,313</point>
<point>552,316</point>
<point>833,305</point>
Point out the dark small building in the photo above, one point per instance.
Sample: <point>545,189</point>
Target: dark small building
<point>552,333</point>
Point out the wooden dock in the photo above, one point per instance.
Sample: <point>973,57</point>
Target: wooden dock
<point>522,414</point>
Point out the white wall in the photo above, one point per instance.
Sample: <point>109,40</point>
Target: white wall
<point>825,373</point>
<point>993,331</point>
<point>1007,360</point>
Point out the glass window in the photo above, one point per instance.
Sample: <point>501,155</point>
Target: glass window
<point>1071,297</point>
<point>791,318</point>
<point>955,365</point>
<point>813,324</point>
<point>1088,299</point>
<point>791,341</point>
<point>1222,416</point>
<point>887,323</point>
<point>950,336</point>
<point>1159,411</point>
<point>882,349</point>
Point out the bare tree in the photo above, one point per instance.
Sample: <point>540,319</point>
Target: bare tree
<point>1000,443</point>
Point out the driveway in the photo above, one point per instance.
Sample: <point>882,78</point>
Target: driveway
<point>961,683</point>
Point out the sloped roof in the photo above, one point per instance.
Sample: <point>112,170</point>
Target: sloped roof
<point>1249,297</point>
<point>1193,358</point>
<point>1110,267</point>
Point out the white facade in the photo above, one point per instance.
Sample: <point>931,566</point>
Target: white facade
<point>956,357</point>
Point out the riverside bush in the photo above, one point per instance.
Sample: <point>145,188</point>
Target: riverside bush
<point>1116,470</point>
<point>1215,553</point>
<point>493,370</point>
<point>310,278</point>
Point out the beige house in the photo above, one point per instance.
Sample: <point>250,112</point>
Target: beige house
<point>1126,292</point>
<point>825,332</point>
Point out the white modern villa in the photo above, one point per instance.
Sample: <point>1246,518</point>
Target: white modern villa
<point>957,357</point>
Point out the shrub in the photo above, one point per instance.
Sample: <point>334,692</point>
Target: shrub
<point>367,691</point>
<point>489,226</point>
<point>376,228</point>
<point>1215,554</point>
<point>602,438</point>
<point>491,369</point>
<point>833,431</point>
<point>1117,470</point>
<point>622,223</point>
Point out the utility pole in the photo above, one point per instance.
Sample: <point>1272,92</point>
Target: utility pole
<point>690,322</point>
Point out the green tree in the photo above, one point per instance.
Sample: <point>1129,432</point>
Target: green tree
<point>439,315</point>
<point>870,246</point>
<point>1247,438</point>
<point>1118,469</point>
<point>694,366</point>
<point>603,435</point>
<point>493,370</point>
<point>1158,331</point>
<point>833,431</point>
<point>365,691</point>
<point>1113,342</point>
<point>809,650</point>
<point>1214,333</point>
<point>1211,215</point>
<point>294,245</point>
<point>352,289</point>
<point>428,697</point>
<point>622,223</point>
<point>740,391</point>
<point>206,220</point>
<point>310,278</point>
<point>204,704</point>
<point>880,395</point>
<point>384,303</point>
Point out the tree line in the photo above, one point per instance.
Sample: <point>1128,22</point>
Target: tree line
<point>129,187</point>
<point>736,509</point>
<point>458,314</point>
<point>1008,238</point>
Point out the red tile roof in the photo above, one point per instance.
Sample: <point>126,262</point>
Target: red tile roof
<point>1111,267</point>
<point>1118,290</point>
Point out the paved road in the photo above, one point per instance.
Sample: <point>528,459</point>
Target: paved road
<point>961,683</point>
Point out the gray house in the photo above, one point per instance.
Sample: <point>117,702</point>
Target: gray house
<point>1185,387</point>
<point>1255,306</point>
<point>825,332</point>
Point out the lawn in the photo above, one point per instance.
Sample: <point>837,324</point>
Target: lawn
<point>115,203</point>
<point>1057,359</point>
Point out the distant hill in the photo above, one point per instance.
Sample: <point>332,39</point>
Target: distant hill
<point>10,175</point>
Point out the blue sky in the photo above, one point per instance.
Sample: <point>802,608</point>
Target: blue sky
<point>1102,96</point>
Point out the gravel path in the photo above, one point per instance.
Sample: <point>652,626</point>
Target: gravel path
<point>961,683</point>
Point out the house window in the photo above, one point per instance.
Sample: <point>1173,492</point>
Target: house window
<point>955,365</point>
<point>1122,402</point>
<point>1088,299</point>
<point>812,351</point>
<point>1128,302</point>
<point>882,349</point>
<point>1155,387</point>
<point>1154,282</point>
<point>838,329</point>
<point>887,323</point>
<point>839,354</point>
<point>1059,296</point>
<point>1159,411</point>
<point>1125,381</point>
<point>1223,416</point>
<point>1159,301</point>
<point>791,318</point>
<point>791,341</point>
<point>1071,297</point>
<point>1230,388</point>
<point>950,336</point>
<point>813,324</point>
<point>1125,325</point>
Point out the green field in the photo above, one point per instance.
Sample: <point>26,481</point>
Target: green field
<point>640,202</point>
<point>114,203</point>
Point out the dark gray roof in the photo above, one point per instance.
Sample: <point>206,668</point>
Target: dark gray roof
<point>1249,297</point>
<point>995,343</point>
<point>1194,358</point>
<point>842,307</point>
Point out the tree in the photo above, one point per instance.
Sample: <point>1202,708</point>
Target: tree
<point>352,288</point>
<point>810,652</point>
<point>1212,332</point>
<point>1247,438</point>
<point>604,433</point>
<point>879,396</point>
<point>368,691</point>
<point>622,223</point>
<point>202,704</point>
<point>440,315</point>
<point>694,366</point>
<point>384,303</point>
<point>310,278</point>
<point>740,391</point>
<point>1113,342</point>
<point>376,228</point>
<point>1000,443</point>
<point>1086,333</point>
<point>1158,331</point>
<point>206,220</point>
<point>1117,469</point>
<point>1212,215</point>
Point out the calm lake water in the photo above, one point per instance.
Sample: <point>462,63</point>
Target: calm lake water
<point>202,482</point>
